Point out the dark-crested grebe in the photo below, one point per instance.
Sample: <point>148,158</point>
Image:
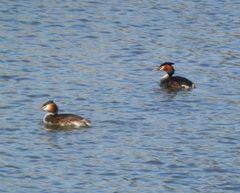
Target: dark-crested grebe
<point>171,82</point>
<point>52,118</point>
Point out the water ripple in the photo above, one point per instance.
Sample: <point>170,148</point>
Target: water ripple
<point>97,59</point>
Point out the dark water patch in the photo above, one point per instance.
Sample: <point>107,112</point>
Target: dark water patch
<point>105,32</point>
<point>230,187</point>
<point>11,61</point>
<point>53,25</point>
<point>45,45</point>
<point>54,40</point>
<point>28,36</point>
<point>7,77</point>
<point>24,79</point>
<point>154,162</point>
<point>83,20</point>
<point>109,174</point>
<point>143,139</point>
<point>139,52</point>
<point>89,37</point>
<point>31,23</point>
<point>216,170</point>
<point>81,99</point>
<point>78,26</point>
<point>77,10</point>
<point>39,96</point>
<point>25,61</point>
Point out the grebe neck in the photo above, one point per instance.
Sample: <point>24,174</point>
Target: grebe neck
<point>170,73</point>
<point>165,76</point>
<point>46,115</point>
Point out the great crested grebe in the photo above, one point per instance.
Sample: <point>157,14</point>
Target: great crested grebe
<point>52,118</point>
<point>171,82</point>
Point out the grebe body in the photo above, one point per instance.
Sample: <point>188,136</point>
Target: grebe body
<point>168,81</point>
<point>52,118</point>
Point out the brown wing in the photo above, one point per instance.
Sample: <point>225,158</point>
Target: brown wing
<point>182,81</point>
<point>170,84</point>
<point>64,119</point>
<point>177,83</point>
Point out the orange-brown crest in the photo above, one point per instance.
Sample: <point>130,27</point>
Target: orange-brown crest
<point>167,67</point>
<point>50,107</point>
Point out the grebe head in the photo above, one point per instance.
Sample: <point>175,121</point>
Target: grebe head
<point>167,67</point>
<point>50,107</point>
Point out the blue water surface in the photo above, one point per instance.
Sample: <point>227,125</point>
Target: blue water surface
<point>97,59</point>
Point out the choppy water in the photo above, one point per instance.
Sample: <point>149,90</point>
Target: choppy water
<point>96,59</point>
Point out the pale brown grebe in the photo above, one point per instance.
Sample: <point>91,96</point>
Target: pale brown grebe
<point>52,118</point>
<point>171,82</point>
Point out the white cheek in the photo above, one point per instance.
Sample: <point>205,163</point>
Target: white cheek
<point>162,68</point>
<point>45,108</point>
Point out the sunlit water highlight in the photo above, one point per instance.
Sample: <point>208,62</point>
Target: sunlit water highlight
<point>96,59</point>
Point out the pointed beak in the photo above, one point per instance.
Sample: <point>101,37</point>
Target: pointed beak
<point>159,68</point>
<point>42,107</point>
